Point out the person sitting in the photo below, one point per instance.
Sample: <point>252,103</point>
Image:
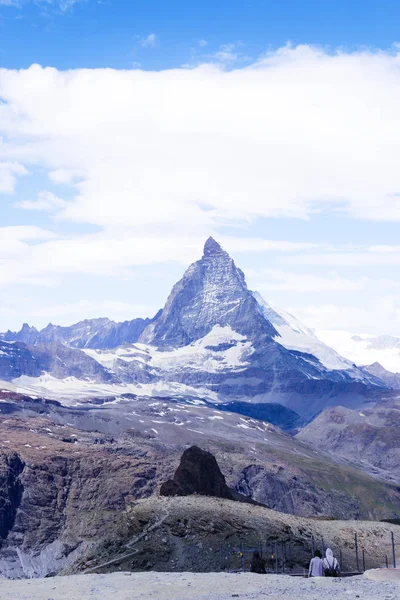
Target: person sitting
<point>315,569</point>
<point>257,564</point>
<point>330,565</point>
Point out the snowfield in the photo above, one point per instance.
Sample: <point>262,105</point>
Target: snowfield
<point>70,390</point>
<point>197,586</point>
<point>198,356</point>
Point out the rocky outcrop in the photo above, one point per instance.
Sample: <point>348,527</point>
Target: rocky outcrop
<point>63,490</point>
<point>198,473</point>
<point>60,361</point>
<point>16,360</point>
<point>292,494</point>
<point>56,359</point>
<point>11,489</point>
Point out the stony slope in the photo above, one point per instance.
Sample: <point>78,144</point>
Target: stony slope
<point>67,473</point>
<point>392,379</point>
<point>369,438</point>
<point>196,533</point>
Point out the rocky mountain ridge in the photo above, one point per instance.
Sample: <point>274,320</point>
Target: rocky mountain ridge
<point>368,437</point>
<point>214,338</point>
<point>90,333</point>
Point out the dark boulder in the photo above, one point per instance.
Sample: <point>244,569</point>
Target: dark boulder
<point>198,473</point>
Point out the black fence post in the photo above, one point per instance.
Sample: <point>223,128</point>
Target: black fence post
<point>276,558</point>
<point>356,545</point>
<point>243,558</point>
<point>387,564</point>
<point>393,551</point>
<point>363,557</point>
<point>341,559</point>
<point>283,557</point>
<point>312,547</point>
<point>323,547</point>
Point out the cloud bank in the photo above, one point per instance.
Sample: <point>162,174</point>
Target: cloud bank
<point>154,162</point>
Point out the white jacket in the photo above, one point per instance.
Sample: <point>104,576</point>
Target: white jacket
<point>315,569</point>
<point>330,561</point>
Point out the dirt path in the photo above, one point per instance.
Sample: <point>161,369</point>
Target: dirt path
<point>196,586</point>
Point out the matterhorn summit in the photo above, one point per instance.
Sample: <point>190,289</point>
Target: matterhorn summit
<point>213,291</point>
<point>214,339</point>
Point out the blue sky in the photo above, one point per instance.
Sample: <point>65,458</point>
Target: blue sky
<point>90,34</point>
<point>272,125</point>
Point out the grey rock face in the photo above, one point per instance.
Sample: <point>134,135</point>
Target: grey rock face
<point>11,488</point>
<point>288,493</point>
<point>392,379</point>
<point>16,360</point>
<point>90,333</point>
<point>60,361</point>
<point>212,292</point>
<point>370,437</point>
<point>198,473</point>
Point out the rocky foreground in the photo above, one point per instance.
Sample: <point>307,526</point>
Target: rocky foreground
<point>198,533</point>
<point>197,586</point>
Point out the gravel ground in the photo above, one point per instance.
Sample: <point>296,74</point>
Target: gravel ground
<point>196,586</point>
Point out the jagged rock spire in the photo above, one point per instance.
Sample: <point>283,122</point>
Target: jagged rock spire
<point>212,247</point>
<point>212,292</point>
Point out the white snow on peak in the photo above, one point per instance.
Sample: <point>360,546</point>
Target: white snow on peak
<point>294,335</point>
<point>71,390</point>
<point>204,354</point>
<point>365,349</point>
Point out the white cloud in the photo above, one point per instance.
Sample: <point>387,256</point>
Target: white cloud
<point>157,161</point>
<point>226,54</point>
<point>346,259</point>
<point>149,41</point>
<point>62,5</point>
<point>278,280</point>
<point>202,43</point>
<point>293,134</point>
<point>25,233</point>
<point>45,201</point>
<point>67,313</point>
<point>9,172</point>
<point>235,244</point>
<point>381,310</point>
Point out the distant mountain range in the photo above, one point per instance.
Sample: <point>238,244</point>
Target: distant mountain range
<point>365,349</point>
<point>214,339</point>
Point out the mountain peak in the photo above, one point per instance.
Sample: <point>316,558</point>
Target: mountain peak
<point>212,292</point>
<point>211,248</point>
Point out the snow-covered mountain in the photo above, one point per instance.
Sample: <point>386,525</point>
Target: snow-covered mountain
<point>365,349</point>
<point>214,339</point>
<point>90,333</point>
<point>294,335</point>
